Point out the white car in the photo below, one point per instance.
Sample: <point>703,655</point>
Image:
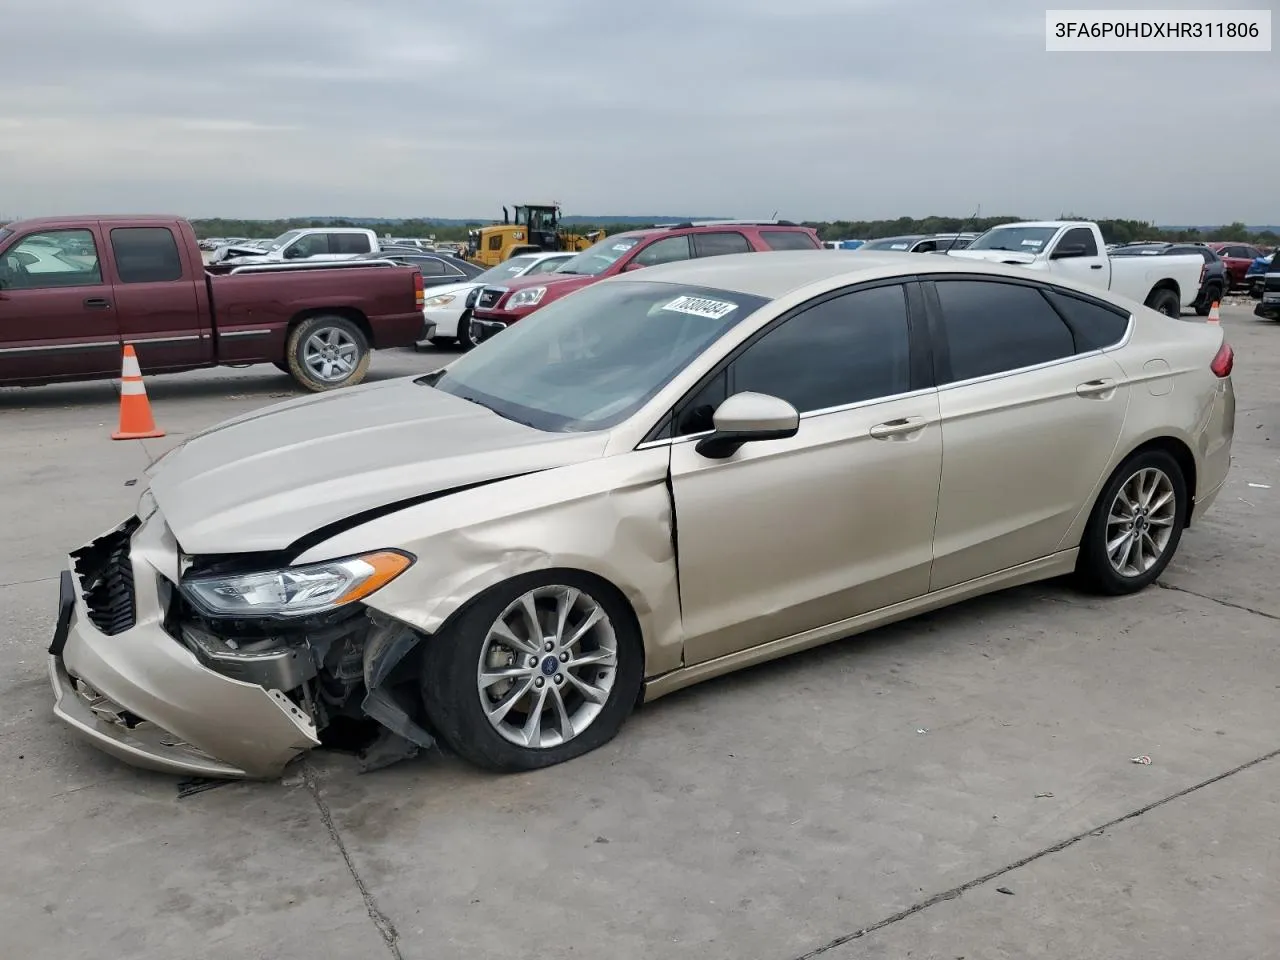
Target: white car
<point>1074,249</point>
<point>447,312</point>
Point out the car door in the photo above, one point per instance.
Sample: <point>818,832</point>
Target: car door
<point>665,250</point>
<point>56,320</point>
<point>1086,267</point>
<point>1031,414</point>
<point>156,304</point>
<point>789,535</point>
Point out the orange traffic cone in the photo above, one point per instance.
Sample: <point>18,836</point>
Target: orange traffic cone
<point>1213,314</point>
<point>136,422</point>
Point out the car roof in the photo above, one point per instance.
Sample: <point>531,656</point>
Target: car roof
<point>775,274</point>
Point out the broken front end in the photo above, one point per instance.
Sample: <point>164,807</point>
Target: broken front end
<point>230,667</point>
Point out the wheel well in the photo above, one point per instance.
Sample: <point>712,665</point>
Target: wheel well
<point>598,582</point>
<point>349,313</point>
<point>1170,285</point>
<point>1182,454</point>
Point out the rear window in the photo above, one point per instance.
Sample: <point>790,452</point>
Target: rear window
<point>146,255</point>
<point>788,240</point>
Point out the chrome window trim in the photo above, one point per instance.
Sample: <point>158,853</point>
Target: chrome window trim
<point>804,415</point>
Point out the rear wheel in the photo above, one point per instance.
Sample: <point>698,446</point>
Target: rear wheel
<point>1212,295</point>
<point>1166,302</point>
<point>327,352</point>
<point>1135,526</point>
<point>540,669</point>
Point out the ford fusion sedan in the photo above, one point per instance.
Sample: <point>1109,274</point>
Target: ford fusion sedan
<point>662,478</point>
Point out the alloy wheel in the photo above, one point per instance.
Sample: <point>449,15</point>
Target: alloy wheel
<point>547,666</point>
<point>1141,522</point>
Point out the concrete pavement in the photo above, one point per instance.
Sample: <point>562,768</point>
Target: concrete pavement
<point>890,783</point>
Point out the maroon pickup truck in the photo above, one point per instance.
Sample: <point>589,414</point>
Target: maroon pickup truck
<point>74,290</point>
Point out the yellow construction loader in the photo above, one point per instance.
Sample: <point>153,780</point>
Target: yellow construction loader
<point>529,227</point>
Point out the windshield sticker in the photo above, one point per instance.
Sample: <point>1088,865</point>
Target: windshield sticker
<point>897,246</point>
<point>701,307</point>
<point>1033,243</point>
<point>622,247</point>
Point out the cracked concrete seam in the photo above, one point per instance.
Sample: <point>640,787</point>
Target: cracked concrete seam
<point>386,929</point>
<point>1218,600</point>
<point>956,892</point>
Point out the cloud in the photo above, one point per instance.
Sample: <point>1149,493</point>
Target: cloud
<point>816,108</point>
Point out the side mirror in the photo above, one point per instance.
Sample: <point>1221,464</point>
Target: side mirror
<point>292,253</point>
<point>1067,251</point>
<point>745,417</point>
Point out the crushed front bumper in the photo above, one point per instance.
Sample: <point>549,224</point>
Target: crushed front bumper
<point>122,682</point>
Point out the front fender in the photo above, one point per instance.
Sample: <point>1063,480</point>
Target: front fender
<point>610,517</point>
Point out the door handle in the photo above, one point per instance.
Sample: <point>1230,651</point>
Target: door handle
<point>98,303</point>
<point>1095,266</point>
<point>1096,388</point>
<point>898,428</point>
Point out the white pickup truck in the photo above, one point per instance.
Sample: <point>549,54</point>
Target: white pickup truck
<point>1074,249</point>
<point>308,243</point>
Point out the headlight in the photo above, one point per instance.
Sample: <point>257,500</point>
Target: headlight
<point>441,301</point>
<point>296,591</point>
<point>526,298</point>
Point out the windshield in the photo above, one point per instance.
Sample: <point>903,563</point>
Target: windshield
<point>281,240</point>
<point>596,260</point>
<point>890,243</point>
<point>505,270</point>
<point>590,360</point>
<point>1016,239</point>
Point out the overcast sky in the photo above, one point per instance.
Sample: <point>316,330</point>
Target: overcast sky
<point>823,109</point>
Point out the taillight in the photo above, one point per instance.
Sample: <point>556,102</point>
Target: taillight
<point>419,289</point>
<point>1223,361</point>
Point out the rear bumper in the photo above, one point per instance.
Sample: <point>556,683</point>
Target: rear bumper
<point>396,330</point>
<point>140,695</point>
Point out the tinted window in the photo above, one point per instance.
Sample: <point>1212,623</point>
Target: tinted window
<point>993,327</point>
<point>787,240</point>
<point>850,348</point>
<point>717,244</point>
<point>348,243</point>
<point>58,258</point>
<point>1094,325</point>
<point>430,266</point>
<point>666,250</point>
<point>1083,236</point>
<point>312,245</point>
<point>146,254</point>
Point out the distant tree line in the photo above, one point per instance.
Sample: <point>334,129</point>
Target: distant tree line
<point>1114,231</point>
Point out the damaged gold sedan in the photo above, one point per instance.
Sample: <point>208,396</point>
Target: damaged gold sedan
<point>655,480</point>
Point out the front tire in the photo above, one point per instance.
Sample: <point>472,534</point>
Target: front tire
<point>467,338</point>
<point>1166,302</point>
<point>444,343</point>
<point>1135,526</point>
<point>539,670</point>
<point>327,352</point>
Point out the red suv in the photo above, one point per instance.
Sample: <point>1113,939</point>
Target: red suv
<point>1238,257</point>
<point>624,252</point>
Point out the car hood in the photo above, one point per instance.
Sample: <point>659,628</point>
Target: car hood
<point>263,480</point>
<point>994,256</point>
<point>557,280</point>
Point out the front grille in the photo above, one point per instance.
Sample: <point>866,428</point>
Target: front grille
<point>106,579</point>
<point>489,298</point>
